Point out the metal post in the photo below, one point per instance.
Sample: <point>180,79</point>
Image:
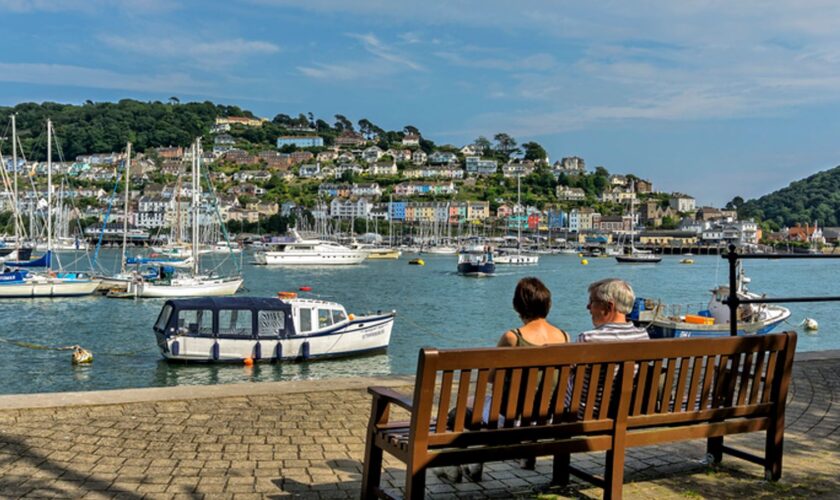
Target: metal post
<point>733,301</point>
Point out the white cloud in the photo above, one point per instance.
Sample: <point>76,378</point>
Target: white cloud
<point>212,53</point>
<point>373,45</point>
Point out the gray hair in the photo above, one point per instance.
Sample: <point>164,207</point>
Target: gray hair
<point>614,290</point>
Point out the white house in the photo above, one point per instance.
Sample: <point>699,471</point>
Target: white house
<point>372,154</point>
<point>419,157</point>
<point>682,203</point>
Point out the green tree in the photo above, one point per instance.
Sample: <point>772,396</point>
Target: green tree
<point>505,145</point>
<point>534,151</point>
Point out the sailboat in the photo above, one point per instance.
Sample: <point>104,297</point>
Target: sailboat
<point>172,283</point>
<point>23,283</point>
<point>636,256</point>
<point>518,258</point>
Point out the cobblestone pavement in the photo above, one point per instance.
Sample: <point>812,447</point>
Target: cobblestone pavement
<point>310,444</point>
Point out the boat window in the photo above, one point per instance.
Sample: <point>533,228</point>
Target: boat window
<point>195,321</point>
<point>235,322</point>
<point>271,323</point>
<point>305,320</point>
<point>163,319</point>
<point>338,316</point>
<point>324,318</point>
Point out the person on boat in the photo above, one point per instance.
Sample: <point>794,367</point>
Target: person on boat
<point>610,301</point>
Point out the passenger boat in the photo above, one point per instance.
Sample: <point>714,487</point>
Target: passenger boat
<point>296,251</point>
<point>476,261</point>
<point>382,253</point>
<point>287,328</point>
<point>666,321</point>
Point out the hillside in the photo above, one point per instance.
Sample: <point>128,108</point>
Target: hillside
<point>815,198</point>
<point>105,126</point>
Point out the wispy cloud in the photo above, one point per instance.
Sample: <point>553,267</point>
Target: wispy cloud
<point>88,6</point>
<point>534,62</point>
<point>78,76</point>
<point>214,53</point>
<point>386,60</point>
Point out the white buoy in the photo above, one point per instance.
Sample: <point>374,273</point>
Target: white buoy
<point>810,324</point>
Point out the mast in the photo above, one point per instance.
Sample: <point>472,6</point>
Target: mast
<point>519,221</point>
<point>195,200</point>
<point>15,166</point>
<point>125,212</point>
<point>49,186</point>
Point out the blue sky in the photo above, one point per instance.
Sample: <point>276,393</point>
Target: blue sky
<point>714,98</point>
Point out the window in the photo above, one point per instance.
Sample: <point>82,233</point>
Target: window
<point>338,316</point>
<point>163,319</point>
<point>235,322</point>
<point>324,318</point>
<point>195,321</point>
<point>271,323</point>
<point>305,320</point>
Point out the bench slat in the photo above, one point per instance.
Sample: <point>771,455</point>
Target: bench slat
<point>516,434</point>
<point>559,411</point>
<point>684,433</point>
<point>607,397</point>
<point>529,401</point>
<point>577,390</point>
<point>443,402</point>
<point>708,373</point>
<point>757,377</point>
<point>681,378</point>
<point>478,401</point>
<point>691,402</point>
<point>745,379</point>
<point>664,419</point>
<point>547,391</point>
<point>639,389</point>
<point>512,399</point>
<point>461,402</point>
<point>667,389</point>
<point>592,391</point>
<point>653,395</point>
<point>768,376</point>
<point>496,400</point>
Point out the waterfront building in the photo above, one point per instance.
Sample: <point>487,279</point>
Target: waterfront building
<point>513,170</point>
<point>442,158</point>
<point>151,211</point>
<point>396,210</point>
<point>170,152</point>
<point>580,219</point>
<point>643,186</point>
<point>613,223</point>
<point>346,208</point>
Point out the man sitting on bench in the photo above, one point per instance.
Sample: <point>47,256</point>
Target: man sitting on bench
<point>610,301</point>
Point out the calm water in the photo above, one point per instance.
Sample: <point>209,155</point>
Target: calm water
<point>435,306</point>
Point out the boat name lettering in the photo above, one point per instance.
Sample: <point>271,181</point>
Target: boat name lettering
<point>375,332</point>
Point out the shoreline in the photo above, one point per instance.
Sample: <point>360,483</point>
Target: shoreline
<point>195,392</point>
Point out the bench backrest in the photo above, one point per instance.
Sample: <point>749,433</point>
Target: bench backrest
<point>516,391</point>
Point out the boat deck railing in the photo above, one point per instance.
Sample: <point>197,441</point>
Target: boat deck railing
<point>733,301</point>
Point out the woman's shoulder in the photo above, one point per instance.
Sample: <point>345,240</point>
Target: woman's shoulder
<point>558,335</point>
<point>508,339</point>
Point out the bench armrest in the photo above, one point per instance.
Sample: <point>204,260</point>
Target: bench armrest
<point>391,396</point>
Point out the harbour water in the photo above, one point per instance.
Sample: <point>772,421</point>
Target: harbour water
<point>435,306</point>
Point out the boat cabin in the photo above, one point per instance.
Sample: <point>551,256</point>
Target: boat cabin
<point>247,317</point>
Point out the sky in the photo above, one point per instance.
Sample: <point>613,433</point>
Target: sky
<point>715,99</point>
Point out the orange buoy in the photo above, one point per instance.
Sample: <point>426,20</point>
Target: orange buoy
<point>305,289</point>
<point>248,361</point>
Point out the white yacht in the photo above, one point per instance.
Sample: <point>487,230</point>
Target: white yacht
<point>296,251</point>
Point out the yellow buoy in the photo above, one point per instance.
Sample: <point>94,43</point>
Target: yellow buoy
<point>584,262</point>
<point>580,254</point>
<point>81,356</point>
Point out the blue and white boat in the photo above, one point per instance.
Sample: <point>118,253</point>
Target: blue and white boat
<point>476,261</point>
<point>288,328</point>
<point>666,321</point>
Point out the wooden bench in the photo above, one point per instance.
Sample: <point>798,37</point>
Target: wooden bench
<point>648,392</point>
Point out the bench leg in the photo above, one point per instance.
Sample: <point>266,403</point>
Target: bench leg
<point>714,449</point>
<point>560,469</point>
<point>415,484</point>
<point>614,473</point>
<point>372,470</point>
<point>773,448</point>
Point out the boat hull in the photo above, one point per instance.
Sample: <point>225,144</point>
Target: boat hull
<point>631,259</point>
<point>211,288</point>
<point>362,335</point>
<point>48,287</point>
<point>517,260</point>
<point>477,270</point>
<point>309,259</point>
